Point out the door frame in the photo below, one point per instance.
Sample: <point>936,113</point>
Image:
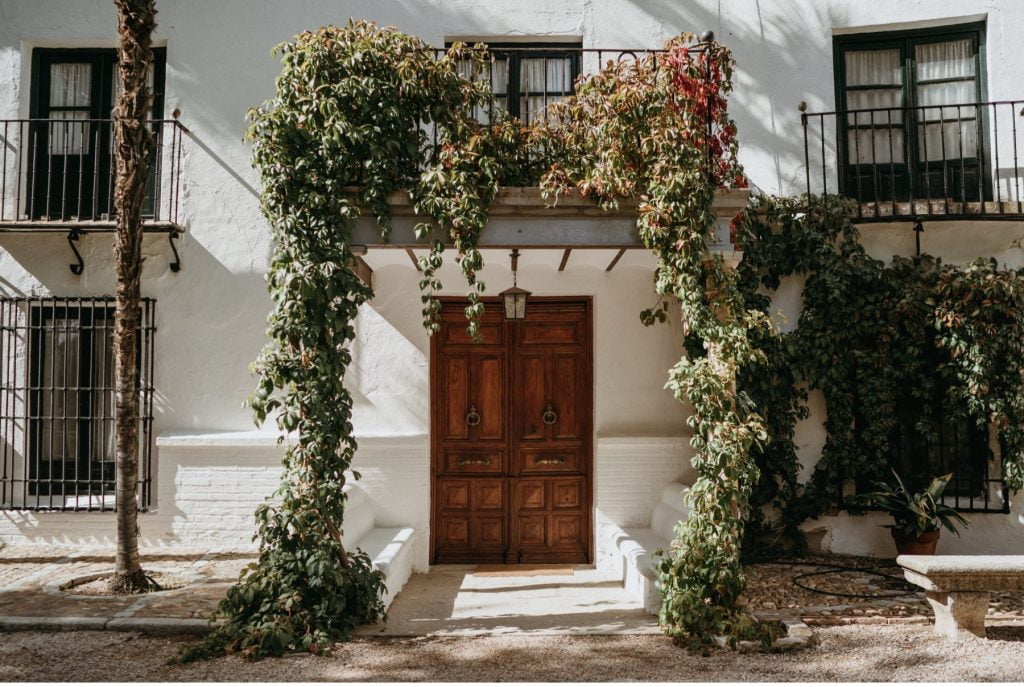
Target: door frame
<point>436,453</point>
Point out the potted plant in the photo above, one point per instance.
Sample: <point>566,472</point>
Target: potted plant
<point>918,517</point>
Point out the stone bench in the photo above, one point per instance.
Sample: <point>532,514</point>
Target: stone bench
<point>958,587</point>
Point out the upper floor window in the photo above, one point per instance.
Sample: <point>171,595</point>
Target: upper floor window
<point>527,77</point>
<point>73,96</point>
<point>914,124</point>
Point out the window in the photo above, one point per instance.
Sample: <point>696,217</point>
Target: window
<point>527,77</point>
<point>57,403</point>
<point>928,441</point>
<point>915,124</point>
<point>73,96</point>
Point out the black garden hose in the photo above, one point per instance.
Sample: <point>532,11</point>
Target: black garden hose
<point>866,570</point>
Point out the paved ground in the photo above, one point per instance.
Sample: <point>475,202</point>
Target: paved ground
<point>605,635</point>
<point>848,653</point>
<point>29,577</point>
<point>453,601</point>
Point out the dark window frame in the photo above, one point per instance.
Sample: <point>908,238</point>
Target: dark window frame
<point>514,52</point>
<point>919,167</point>
<point>90,192</point>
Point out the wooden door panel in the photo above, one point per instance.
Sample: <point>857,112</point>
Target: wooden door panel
<point>471,519</point>
<point>488,395</point>
<point>455,333</point>
<point>550,459</point>
<point>456,398</point>
<point>566,493</point>
<point>565,396</point>
<point>532,375</point>
<point>549,520</point>
<point>473,460</point>
<point>455,494</point>
<point>547,333</point>
<point>565,530</point>
<point>530,494</point>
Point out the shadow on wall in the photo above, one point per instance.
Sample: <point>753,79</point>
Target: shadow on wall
<point>780,44</point>
<point>388,378</point>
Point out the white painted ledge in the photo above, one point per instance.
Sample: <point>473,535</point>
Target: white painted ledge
<point>258,438</point>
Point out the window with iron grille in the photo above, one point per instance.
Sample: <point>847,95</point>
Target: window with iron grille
<point>57,403</point>
<point>915,122</point>
<point>928,441</point>
<point>527,77</point>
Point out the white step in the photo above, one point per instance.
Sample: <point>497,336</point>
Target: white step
<point>359,518</point>
<point>390,549</point>
<point>636,545</point>
<point>639,577</point>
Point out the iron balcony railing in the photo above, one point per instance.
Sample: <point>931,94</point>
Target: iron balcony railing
<point>57,405</point>
<point>60,173</point>
<point>957,161</point>
<point>526,79</point>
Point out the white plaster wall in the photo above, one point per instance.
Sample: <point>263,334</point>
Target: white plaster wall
<point>211,316</point>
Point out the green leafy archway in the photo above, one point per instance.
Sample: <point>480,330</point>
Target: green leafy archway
<point>352,108</point>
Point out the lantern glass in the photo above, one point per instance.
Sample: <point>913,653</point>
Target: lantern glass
<point>515,303</point>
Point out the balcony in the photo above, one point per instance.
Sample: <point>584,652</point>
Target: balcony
<point>57,176</point>
<point>526,78</point>
<point>957,161</point>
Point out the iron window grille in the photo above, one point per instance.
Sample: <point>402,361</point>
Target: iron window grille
<point>57,403</point>
<point>928,442</point>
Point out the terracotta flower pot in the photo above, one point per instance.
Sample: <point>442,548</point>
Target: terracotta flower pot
<point>921,545</point>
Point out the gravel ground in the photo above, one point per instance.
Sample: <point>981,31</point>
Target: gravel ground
<point>848,653</point>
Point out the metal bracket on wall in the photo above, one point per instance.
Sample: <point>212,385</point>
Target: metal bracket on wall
<point>918,230</point>
<point>79,267</point>
<point>175,264</point>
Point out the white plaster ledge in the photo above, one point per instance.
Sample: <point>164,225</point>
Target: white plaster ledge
<point>257,438</point>
<point>644,440</point>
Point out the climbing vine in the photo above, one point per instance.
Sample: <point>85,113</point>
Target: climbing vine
<point>876,339</point>
<point>658,129</point>
<point>352,109</point>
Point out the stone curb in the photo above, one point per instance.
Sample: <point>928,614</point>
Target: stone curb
<point>151,626</point>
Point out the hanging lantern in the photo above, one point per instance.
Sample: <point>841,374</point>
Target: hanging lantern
<point>515,298</point>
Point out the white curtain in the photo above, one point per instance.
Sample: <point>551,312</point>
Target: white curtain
<point>550,76</point>
<point>70,87</point>
<point>498,75</point>
<point>880,141</point>
<point>947,132</point>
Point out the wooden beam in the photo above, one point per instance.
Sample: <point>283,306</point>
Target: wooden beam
<point>615,260</point>
<point>363,271</point>
<point>565,259</point>
<point>412,256</point>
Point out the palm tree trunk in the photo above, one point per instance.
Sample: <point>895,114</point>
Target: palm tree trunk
<point>132,146</point>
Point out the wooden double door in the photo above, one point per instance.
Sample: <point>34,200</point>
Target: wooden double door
<point>511,420</point>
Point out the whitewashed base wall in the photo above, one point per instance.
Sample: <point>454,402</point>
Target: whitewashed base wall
<point>209,485</point>
<point>630,473</point>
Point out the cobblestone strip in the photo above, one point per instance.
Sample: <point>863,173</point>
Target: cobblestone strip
<point>46,571</point>
<point>137,606</point>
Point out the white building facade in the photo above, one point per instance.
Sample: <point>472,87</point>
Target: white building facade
<point>208,467</point>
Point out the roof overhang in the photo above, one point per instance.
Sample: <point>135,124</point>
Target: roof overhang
<point>521,218</point>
